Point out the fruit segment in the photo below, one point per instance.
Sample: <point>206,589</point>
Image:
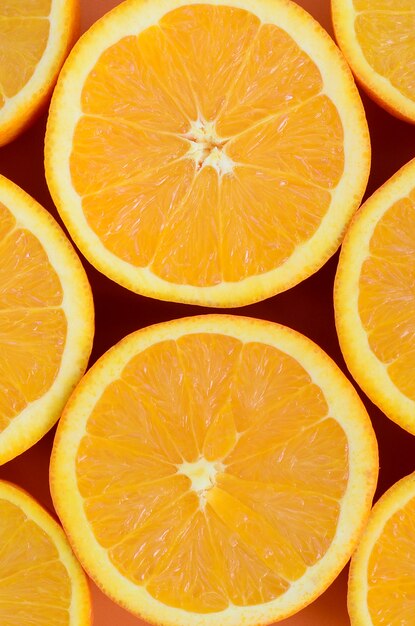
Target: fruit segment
<point>387,42</point>
<point>273,57</point>
<point>23,42</point>
<point>267,214</point>
<point>27,279</point>
<point>132,92</point>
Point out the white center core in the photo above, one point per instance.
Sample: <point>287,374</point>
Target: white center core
<point>207,148</point>
<point>202,475</point>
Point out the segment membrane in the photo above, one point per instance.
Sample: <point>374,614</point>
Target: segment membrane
<point>388,43</point>
<point>276,76</point>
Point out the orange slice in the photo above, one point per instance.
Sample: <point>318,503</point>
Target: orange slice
<point>41,582</point>
<point>375,300</point>
<point>214,470</point>
<point>46,320</point>
<point>35,38</point>
<point>381,583</point>
<point>207,153</point>
<point>377,38</point>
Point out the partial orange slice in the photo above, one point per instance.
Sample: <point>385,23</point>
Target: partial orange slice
<point>207,153</point>
<point>382,584</point>
<point>46,320</point>
<point>375,300</point>
<point>378,39</point>
<point>35,38</point>
<point>41,582</point>
<point>214,470</point>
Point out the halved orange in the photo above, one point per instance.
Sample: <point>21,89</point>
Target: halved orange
<point>41,582</point>
<point>375,300</point>
<point>214,470</point>
<point>35,38</point>
<point>209,153</point>
<point>381,583</point>
<point>46,320</point>
<point>377,38</point>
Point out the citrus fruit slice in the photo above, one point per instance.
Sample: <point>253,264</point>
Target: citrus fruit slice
<point>375,301</point>
<point>208,153</point>
<point>41,582</point>
<point>35,38</point>
<point>377,38</point>
<point>46,320</point>
<point>214,470</point>
<point>381,582</point>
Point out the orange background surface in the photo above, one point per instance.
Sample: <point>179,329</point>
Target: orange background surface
<point>307,308</point>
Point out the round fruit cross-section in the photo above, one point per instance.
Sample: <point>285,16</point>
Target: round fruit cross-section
<point>208,153</point>
<point>46,320</point>
<point>375,300</point>
<point>381,581</point>
<point>41,582</point>
<point>214,470</point>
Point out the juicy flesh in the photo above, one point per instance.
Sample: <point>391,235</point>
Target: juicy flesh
<point>387,295</point>
<point>215,163</point>
<point>385,30</point>
<point>391,584</point>
<point>35,588</point>
<point>212,472</point>
<point>24,28</point>
<point>32,322</point>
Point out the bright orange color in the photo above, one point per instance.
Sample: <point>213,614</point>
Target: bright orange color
<point>386,298</point>
<point>377,38</point>
<point>374,297</point>
<point>382,586</point>
<point>46,320</point>
<point>225,413</point>
<point>211,472</point>
<point>33,326</point>
<point>35,37</point>
<point>40,580</point>
<point>209,168</point>
<point>234,222</point>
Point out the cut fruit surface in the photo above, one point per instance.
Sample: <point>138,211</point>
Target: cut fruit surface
<point>374,297</point>
<point>212,470</point>
<point>46,320</point>
<point>35,38</point>
<point>41,582</point>
<point>221,176</point>
<point>381,582</point>
<point>377,38</point>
